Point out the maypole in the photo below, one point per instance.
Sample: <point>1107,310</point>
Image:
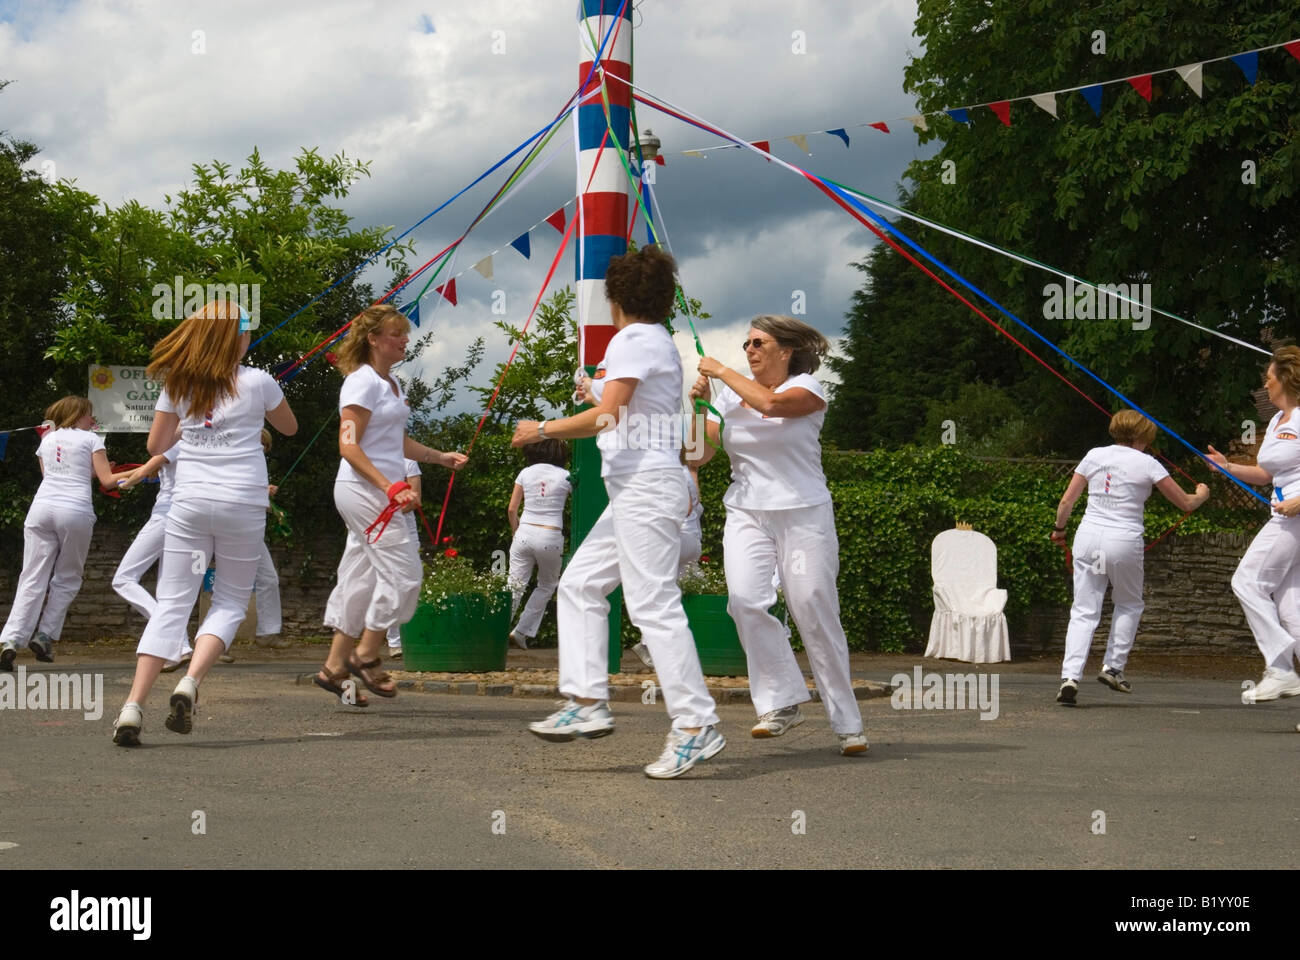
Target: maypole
<point>602,223</point>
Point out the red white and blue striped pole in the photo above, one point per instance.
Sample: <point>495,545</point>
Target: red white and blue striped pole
<point>602,235</point>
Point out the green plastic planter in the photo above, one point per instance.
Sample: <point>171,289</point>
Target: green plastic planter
<point>721,654</point>
<point>463,634</point>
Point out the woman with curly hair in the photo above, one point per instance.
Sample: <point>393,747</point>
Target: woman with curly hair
<point>637,540</point>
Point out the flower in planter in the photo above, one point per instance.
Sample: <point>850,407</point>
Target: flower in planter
<point>703,578</point>
<point>450,574</point>
<point>451,553</point>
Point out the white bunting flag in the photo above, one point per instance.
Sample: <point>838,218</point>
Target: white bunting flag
<point>918,121</point>
<point>1045,100</point>
<point>484,267</point>
<point>1192,74</point>
<point>800,141</point>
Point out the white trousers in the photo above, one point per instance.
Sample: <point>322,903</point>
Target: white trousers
<point>534,546</point>
<point>145,550</point>
<point>1267,583</point>
<point>1103,557</point>
<point>802,546</point>
<point>266,588</point>
<point>378,584</point>
<point>688,551</point>
<point>55,544</point>
<point>199,532</point>
<point>635,542</point>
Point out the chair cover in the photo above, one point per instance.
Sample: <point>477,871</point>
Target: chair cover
<point>968,622</point>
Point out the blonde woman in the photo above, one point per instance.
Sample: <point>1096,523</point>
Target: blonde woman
<point>1108,547</point>
<point>1267,581</point>
<point>218,509</point>
<point>56,533</point>
<point>780,520</point>
<point>379,573</point>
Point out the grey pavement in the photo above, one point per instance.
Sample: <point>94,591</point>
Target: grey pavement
<point>1184,775</point>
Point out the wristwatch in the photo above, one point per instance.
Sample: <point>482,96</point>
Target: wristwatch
<point>541,429</point>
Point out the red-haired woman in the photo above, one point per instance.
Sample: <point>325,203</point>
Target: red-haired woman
<point>218,509</point>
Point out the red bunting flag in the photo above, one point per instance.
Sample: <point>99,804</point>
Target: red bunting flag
<point>1293,48</point>
<point>1142,85</point>
<point>764,145</point>
<point>448,289</point>
<point>659,159</point>
<point>1003,109</point>
<point>882,126</point>
<point>557,220</point>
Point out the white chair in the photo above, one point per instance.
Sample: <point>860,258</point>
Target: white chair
<point>968,622</point>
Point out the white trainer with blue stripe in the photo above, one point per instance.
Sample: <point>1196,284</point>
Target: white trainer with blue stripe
<point>574,721</point>
<point>683,750</point>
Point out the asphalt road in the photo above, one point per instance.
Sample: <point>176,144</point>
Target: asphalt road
<point>285,777</point>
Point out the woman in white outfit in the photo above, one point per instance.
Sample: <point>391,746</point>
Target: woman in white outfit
<point>542,488</point>
<point>56,533</point>
<point>636,540</point>
<point>218,509</point>
<point>1108,546</point>
<point>1267,581</point>
<point>780,519</point>
<point>380,573</point>
<point>147,547</point>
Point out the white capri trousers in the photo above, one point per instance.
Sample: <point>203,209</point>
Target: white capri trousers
<point>266,588</point>
<point>635,542</point>
<point>55,544</point>
<point>543,548</point>
<point>145,550</point>
<point>378,584</point>
<point>1267,583</point>
<point>802,546</point>
<point>1103,557</point>
<point>199,532</point>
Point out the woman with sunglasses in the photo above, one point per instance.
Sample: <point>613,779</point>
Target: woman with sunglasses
<point>780,519</point>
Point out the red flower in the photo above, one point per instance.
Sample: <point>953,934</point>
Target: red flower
<point>450,553</point>
<point>704,559</point>
<point>447,539</point>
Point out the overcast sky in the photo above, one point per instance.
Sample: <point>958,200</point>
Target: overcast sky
<point>116,97</point>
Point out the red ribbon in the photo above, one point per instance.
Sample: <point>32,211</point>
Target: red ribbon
<point>387,514</point>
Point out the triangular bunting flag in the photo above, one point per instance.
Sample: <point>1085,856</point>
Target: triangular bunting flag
<point>882,126</point>
<point>764,145</point>
<point>1293,48</point>
<point>1192,74</point>
<point>960,115</point>
<point>841,133</point>
<point>557,220</point>
<point>1093,96</point>
<point>412,309</point>
<point>45,427</point>
<point>484,267</point>
<point>1003,109</point>
<point>521,244</point>
<point>1047,101</point>
<point>1249,63</point>
<point>659,159</point>
<point>694,153</point>
<point>1142,85</point>
<point>4,444</point>
<point>800,141</point>
<point>448,291</point>
<point>918,121</point>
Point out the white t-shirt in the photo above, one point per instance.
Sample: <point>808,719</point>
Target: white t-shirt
<point>221,456</point>
<point>166,481</point>
<point>1279,454</point>
<point>546,488</point>
<point>691,523</point>
<point>382,441</point>
<point>1119,481</point>
<point>649,435</point>
<point>776,462</point>
<point>66,454</point>
<point>411,468</point>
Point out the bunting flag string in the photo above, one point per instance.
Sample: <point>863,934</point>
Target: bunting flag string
<point>1192,74</point>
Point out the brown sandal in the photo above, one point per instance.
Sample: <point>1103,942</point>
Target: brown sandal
<point>330,681</point>
<point>363,672</point>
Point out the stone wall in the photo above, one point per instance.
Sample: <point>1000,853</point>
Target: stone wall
<point>1190,605</point>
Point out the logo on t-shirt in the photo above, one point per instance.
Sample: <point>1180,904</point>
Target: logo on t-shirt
<point>599,374</point>
<point>58,454</point>
<point>1286,433</point>
<point>207,420</point>
<point>1108,481</point>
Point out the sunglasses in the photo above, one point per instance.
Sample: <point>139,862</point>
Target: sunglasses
<point>757,343</point>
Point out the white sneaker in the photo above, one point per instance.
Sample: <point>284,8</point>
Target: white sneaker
<point>181,718</point>
<point>852,744</point>
<point>776,722</point>
<point>8,653</point>
<point>575,720</point>
<point>394,653</point>
<point>683,750</point>
<point>126,729</point>
<point>643,652</point>
<point>1275,684</point>
<point>519,641</point>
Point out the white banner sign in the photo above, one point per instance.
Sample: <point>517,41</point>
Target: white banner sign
<point>123,398</point>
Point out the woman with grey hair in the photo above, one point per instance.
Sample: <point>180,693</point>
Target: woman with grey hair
<point>780,519</point>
